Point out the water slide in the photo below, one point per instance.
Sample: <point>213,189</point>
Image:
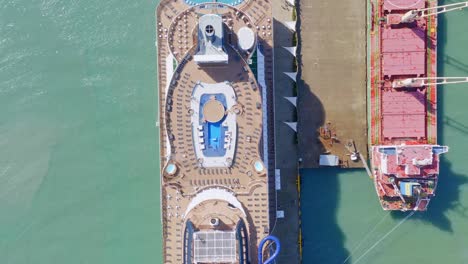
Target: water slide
<point>271,259</point>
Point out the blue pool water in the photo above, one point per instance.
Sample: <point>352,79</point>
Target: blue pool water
<point>214,133</point>
<point>171,168</point>
<point>214,138</point>
<point>258,166</point>
<point>229,2</point>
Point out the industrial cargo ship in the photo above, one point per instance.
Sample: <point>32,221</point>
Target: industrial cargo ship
<point>404,153</point>
<point>214,74</point>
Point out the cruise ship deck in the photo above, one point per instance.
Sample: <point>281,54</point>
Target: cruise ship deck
<point>214,74</point>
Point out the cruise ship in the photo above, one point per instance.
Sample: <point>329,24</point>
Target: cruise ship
<point>215,78</point>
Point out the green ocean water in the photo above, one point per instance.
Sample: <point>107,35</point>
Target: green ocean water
<point>79,178</point>
<point>341,215</point>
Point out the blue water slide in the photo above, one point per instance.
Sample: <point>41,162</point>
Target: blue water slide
<point>260,250</point>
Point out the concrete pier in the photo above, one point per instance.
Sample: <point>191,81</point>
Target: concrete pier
<point>320,106</point>
<point>332,90</point>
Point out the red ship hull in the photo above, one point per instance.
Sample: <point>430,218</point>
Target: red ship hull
<point>403,122</point>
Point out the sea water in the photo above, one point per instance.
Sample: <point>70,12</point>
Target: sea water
<point>79,180</point>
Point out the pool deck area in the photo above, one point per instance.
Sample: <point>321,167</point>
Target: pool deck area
<point>207,155</point>
<point>230,189</point>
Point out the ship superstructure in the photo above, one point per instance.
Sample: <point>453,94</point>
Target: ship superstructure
<point>215,62</point>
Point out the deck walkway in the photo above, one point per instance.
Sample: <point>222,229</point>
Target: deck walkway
<point>286,195</point>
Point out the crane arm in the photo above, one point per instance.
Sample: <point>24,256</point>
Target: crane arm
<point>413,15</point>
<point>420,82</point>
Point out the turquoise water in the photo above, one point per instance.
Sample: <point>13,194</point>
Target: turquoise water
<point>229,2</point>
<point>79,179</point>
<point>342,210</point>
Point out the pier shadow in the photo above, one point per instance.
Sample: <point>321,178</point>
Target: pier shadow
<point>311,114</point>
<point>285,111</point>
<point>323,240</point>
<point>450,182</point>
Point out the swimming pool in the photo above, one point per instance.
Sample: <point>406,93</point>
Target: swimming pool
<point>214,138</point>
<point>228,2</point>
<point>214,133</point>
<point>171,168</point>
<point>258,166</point>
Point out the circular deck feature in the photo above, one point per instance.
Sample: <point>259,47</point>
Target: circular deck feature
<point>213,111</point>
<point>171,169</point>
<point>246,38</point>
<point>258,165</point>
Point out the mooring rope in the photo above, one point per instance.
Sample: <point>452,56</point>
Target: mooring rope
<point>382,238</point>
<point>365,237</point>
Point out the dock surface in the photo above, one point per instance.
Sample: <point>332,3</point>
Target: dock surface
<point>286,196</point>
<point>332,90</point>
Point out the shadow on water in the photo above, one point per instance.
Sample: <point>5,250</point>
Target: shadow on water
<point>454,62</point>
<point>323,240</point>
<point>455,124</point>
<point>447,199</point>
<point>450,182</point>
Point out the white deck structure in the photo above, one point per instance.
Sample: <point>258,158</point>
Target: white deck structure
<point>214,194</point>
<point>229,123</point>
<point>215,246</point>
<point>210,40</point>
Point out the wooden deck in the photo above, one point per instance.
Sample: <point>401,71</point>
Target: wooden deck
<point>176,29</point>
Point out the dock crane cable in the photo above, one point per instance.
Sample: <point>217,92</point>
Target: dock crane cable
<point>414,15</point>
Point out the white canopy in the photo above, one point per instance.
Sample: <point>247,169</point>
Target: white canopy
<point>245,38</point>
<point>214,194</point>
